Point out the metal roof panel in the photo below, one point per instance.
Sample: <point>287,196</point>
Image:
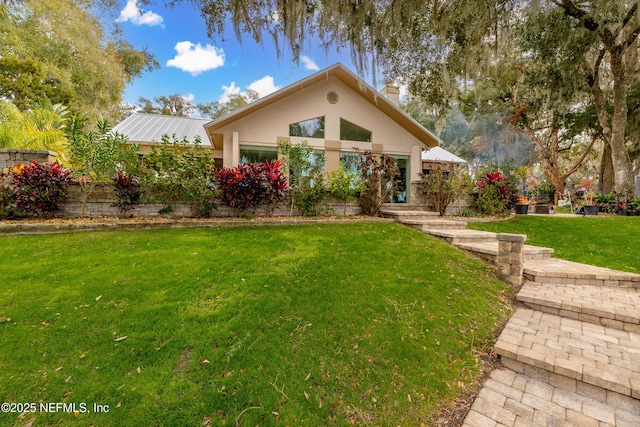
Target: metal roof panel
<point>146,128</point>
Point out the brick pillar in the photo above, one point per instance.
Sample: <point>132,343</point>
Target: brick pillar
<point>509,260</point>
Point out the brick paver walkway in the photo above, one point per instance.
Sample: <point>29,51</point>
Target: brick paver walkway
<point>539,398</point>
<point>571,355</point>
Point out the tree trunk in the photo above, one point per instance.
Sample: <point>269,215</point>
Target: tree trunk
<point>548,155</point>
<point>623,182</point>
<point>620,42</point>
<point>605,183</point>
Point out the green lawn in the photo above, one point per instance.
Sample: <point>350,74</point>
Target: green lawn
<point>372,324</point>
<point>603,240</point>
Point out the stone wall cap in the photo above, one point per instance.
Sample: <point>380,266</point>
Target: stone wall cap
<point>512,237</point>
<point>17,150</point>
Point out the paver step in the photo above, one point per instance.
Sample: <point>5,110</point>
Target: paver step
<point>557,271</point>
<point>402,207</point>
<point>604,357</point>
<point>400,215</point>
<point>489,250</point>
<point>539,398</point>
<point>614,307</point>
<point>463,235</point>
<point>434,224</point>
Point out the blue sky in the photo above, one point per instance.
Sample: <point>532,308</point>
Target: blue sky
<point>204,69</point>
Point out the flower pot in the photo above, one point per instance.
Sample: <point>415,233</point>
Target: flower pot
<point>591,210</point>
<point>522,209</point>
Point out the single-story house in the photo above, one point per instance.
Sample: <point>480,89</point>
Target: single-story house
<point>333,110</point>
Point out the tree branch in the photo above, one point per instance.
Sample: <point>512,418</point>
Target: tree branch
<point>632,37</point>
<point>578,163</point>
<point>630,14</point>
<point>571,10</point>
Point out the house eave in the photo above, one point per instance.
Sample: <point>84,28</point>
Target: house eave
<point>374,97</point>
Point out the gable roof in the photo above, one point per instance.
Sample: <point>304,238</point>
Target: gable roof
<point>439,154</point>
<point>351,80</point>
<point>142,128</point>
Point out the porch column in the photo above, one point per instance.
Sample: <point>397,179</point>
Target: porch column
<point>235,149</point>
<point>416,163</point>
<point>231,151</point>
<point>332,155</point>
<point>227,151</point>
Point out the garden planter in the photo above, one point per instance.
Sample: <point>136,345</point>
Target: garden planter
<point>522,209</point>
<point>591,210</point>
<point>543,209</point>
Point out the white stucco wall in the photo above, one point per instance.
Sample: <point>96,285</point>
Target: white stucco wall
<point>264,126</point>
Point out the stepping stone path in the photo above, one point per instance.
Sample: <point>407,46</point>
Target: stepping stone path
<point>570,352</point>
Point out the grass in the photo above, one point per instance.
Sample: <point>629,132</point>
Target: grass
<point>366,324</point>
<point>603,240</point>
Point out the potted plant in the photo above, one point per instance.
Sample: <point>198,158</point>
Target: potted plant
<point>590,207</point>
<point>522,207</point>
<point>634,207</point>
<point>606,202</point>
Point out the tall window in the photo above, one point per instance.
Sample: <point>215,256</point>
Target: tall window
<point>352,132</point>
<point>252,154</point>
<point>350,160</point>
<point>403,189</point>
<point>312,128</point>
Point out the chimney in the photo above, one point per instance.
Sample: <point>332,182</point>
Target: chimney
<point>392,93</point>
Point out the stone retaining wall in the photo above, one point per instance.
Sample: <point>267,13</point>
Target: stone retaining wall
<point>10,157</point>
<point>100,203</point>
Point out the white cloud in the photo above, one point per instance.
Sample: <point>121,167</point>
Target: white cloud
<point>309,63</point>
<point>227,91</point>
<point>196,59</point>
<point>135,15</point>
<point>263,86</point>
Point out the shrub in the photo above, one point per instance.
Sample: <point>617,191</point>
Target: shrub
<point>7,199</point>
<point>345,184</point>
<point>304,167</point>
<point>127,189</point>
<point>440,187</point>
<point>494,192</point>
<point>380,178</point>
<point>177,172</point>
<point>40,188</point>
<point>242,187</point>
<point>310,193</point>
<point>98,156</point>
<point>543,192</point>
<point>275,185</point>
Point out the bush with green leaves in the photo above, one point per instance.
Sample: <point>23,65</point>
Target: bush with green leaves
<point>8,207</point>
<point>344,184</point>
<point>98,156</point>
<point>179,172</point>
<point>40,188</point>
<point>543,192</point>
<point>380,177</point>
<point>311,194</point>
<point>306,176</point>
<point>441,187</point>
